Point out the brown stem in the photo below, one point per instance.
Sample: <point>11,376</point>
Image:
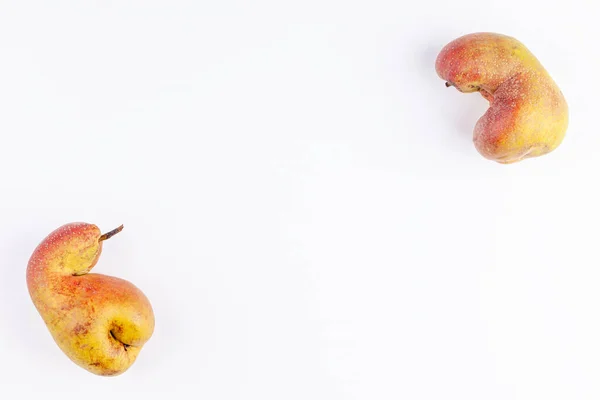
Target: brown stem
<point>486,95</point>
<point>110,234</point>
<point>448,84</point>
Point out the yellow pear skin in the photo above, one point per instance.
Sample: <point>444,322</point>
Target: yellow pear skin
<point>98,321</point>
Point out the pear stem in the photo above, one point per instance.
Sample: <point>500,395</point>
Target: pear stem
<point>110,234</point>
<point>448,84</point>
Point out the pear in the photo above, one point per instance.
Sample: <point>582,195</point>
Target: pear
<point>528,114</point>
<point>98,321</point>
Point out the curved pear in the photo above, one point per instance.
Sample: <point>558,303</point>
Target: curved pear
<point>98,321</point>
<point>528,114</point>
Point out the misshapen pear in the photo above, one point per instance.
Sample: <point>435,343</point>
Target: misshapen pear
<point>99,322</point>
<point>528,115</point>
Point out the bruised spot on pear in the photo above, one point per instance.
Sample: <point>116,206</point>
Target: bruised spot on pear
<point>528,114</point>
<point>100,322</point>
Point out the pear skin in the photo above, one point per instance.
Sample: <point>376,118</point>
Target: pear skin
<point>528,114</point>
<point>98,321</point>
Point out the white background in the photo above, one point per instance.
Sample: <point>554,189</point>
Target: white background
<point>302,201</point>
